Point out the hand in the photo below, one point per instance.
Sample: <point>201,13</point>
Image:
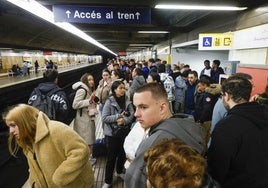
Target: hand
<point>35,185</point>
<point>120,121</point>
<point>92,96</point>
<point>254,98</point>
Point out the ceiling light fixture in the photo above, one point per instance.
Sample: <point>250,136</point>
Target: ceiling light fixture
<point>197,7</point>
<point>157,32</point>
<point>44,13</point>
<point>133,45</point>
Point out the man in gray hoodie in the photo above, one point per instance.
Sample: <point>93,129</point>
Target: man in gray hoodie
<point>153,112</point>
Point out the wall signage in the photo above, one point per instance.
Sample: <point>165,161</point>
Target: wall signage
<point>101,15</point>
<point>215,41</point>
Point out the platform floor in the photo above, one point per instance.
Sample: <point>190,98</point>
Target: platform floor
<point>6,81</point>
<point>99,167</point>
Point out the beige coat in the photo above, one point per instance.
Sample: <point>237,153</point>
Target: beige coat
<point>84,125</point>
<point>103,90</point>
<point>60,157</point>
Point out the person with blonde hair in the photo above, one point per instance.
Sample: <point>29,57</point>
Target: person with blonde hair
<point>172,163</point>
<point>57,155</point>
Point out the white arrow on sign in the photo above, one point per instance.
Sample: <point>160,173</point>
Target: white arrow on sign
<point>68,13</point>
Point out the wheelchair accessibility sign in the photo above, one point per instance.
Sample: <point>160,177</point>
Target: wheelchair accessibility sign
<point>215,41</point>
<point>207,41</point>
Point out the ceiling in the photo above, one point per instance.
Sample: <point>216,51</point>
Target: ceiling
<point>20,29</point>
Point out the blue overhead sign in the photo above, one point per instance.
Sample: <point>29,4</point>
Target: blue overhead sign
<point>101,15</point>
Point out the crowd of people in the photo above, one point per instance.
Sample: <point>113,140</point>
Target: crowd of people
<point>164,126</point>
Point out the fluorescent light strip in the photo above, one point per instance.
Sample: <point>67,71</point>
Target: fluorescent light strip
<point>133,45</point>
<point>157,32</point>
<point>44,13</point>
<point>197,7</point>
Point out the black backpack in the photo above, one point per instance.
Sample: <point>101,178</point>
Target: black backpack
<point>70,97</point>
<point>44,102</point>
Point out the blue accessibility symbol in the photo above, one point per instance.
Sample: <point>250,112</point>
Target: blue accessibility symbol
<point>207,41</point>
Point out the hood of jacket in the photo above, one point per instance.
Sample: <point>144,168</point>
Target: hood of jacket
<point>253,112</point>
<point>140,79</point>
<point>214,89</point>
<point>78,84</point>
<point>182,128</point>
<point>47,86</point>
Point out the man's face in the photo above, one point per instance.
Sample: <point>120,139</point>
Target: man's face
<point>192,79</point>
<point>225,103</point>
<point>206,64</point>
<point>148,110</point>
<point>202,87</point>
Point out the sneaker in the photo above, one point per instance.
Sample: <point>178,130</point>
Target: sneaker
<point>106,185</point>
<point>122,176</point>
<point>92,161</point>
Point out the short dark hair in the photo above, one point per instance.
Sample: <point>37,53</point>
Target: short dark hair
<point>161,68</point>
<point>242,75</point>
<point>207,61</point>
<point>185,73</point>
<point>156,77</point>
<point>194,73</point>
<point>138,71</point>
<point>118,73</point>
<point>50,75</point>
<point>204,79</point>
<point>151,60</point>
<point>239,88</point>
<point>106,70</point>
<point>217,62</point>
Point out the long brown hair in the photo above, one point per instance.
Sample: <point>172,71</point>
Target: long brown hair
<point>84,79</point>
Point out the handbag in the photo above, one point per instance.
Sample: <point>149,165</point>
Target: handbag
<point>92,110</point>
<point>120,131</point>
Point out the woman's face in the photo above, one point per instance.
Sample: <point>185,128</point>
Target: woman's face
<point>150,79</point>
<point>120,90</point>
<point>106,76</point>
<point>114,77</point>
<point>90,80</point>
<point>13,128</point>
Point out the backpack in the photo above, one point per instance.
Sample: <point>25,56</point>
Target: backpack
<point>44,103</point>
<point>70,97</point>
<point>169,86</point>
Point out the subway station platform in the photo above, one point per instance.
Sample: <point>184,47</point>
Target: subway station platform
<point>16,89</point>
<point>9,80</point>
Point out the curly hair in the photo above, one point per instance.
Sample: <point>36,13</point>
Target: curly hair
<point>172,163</point>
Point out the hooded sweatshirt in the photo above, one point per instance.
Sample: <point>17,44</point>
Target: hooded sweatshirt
<point>184,129</point>
<point>238,154</point>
